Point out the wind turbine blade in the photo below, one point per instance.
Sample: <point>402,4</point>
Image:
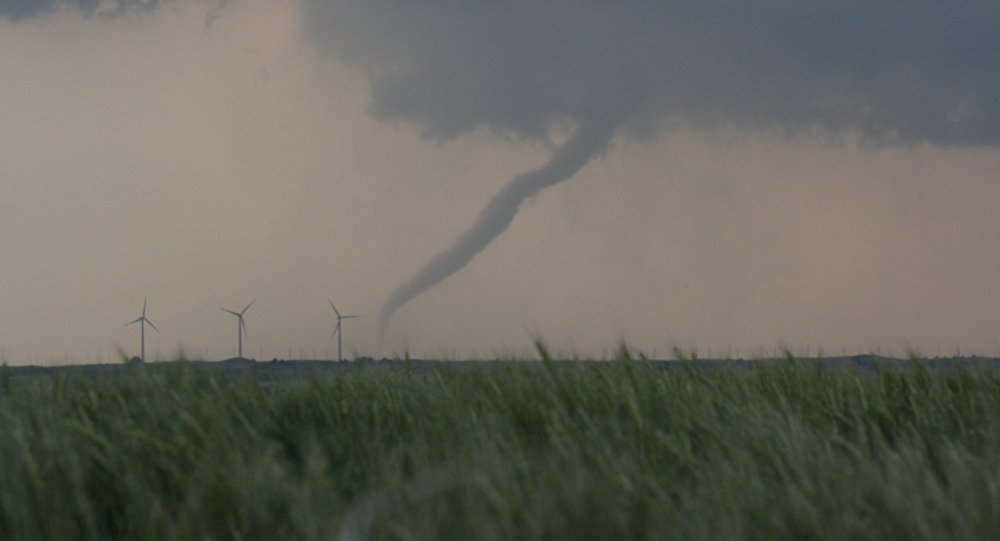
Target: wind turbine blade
<point>334,308</point>
<point>350,317</point>
<point>336,330</point>
<point>136,320</point>
<point>248,306</point>
<point>230,311</point>
<point>243,325</point>
<point>144,306</point>
<point>151,325</point>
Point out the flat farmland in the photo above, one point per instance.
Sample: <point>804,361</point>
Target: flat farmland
<point>852,448</point>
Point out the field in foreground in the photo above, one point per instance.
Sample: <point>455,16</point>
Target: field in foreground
<point>619,450</point>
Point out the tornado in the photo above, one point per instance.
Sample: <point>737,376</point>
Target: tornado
<point>589,140</point>
<point>911,74</point>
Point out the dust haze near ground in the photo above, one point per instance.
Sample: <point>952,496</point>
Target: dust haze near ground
<point>205,165</point>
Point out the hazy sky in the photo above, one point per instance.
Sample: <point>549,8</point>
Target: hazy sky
<point>810,173</point>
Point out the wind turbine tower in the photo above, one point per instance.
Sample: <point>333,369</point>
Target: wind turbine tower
<point>241,326</point>
<point>338,332</point>
<point>142,321</point>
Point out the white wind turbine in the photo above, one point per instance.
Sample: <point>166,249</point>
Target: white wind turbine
<point>338,333</point>
<point>142,321</point>
<point>241,326</point>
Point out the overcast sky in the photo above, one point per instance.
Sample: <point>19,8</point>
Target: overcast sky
<point>710,174</point>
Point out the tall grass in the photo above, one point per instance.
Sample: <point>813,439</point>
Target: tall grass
<point>505,451</point>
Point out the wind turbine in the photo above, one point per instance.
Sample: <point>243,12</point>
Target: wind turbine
<point>142,321</point>
<point>338,333</point>
<point>241,326</point>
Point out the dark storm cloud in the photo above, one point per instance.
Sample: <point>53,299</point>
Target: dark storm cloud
<point>899,71</point>
<point>895,71</point>
<point>20,9</point>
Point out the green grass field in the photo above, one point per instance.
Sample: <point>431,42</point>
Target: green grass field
<point>617,450</point>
